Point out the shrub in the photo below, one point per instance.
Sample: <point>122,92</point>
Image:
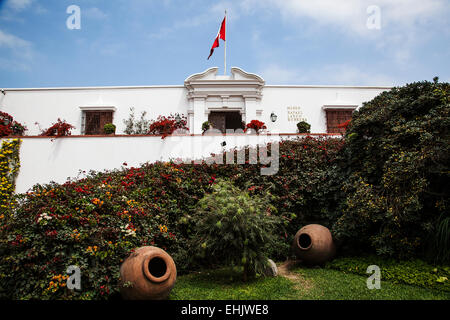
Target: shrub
<point>412,272</point>
<point>10,127</point>
<point>95,222</point>
<point>167,125</point>
<point>205,126</point>
<point>133,126</point>
<point>9,168</point>
<point>233,229</point>
<point>303,127</point>
<point>58,129</point>
<point>345,124</point>
<point>109,128</point>
<point>255,125</point>
<point>395,166</point>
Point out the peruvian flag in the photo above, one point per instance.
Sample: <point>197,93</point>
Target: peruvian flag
<point>220,35</point>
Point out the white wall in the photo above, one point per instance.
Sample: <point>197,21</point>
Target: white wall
<point>44,159</point>
<point>311,100</point>
<point>45,106</point>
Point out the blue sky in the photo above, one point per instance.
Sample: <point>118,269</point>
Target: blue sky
<point>156,42</point>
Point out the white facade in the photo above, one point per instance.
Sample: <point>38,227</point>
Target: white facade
<point>200,95</point>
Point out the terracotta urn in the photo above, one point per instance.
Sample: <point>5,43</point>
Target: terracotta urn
<point>147,274</point>
<point>313,244</point>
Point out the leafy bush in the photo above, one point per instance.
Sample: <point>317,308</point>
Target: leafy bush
<point>133,126</point>
<point>59,129</point>
<point>95,222</point>
<point>205,126</point>
<point>167,125</point>
<point>345,124</point>
<point>233,229</point>
<point>109,128</point>
<point>395,164</point>
<point>10,127</point>
<point>303,127</point>
<point>413,272</point>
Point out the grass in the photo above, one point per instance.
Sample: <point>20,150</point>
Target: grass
<point>301,284</point>
<point>337,285</point>
<point>226,284</point>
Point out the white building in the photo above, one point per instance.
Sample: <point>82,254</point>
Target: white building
<point>225,101</point>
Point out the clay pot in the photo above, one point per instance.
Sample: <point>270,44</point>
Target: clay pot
<point>313,244</point>
<point>147,274</point>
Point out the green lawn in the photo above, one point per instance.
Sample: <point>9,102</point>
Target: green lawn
<point>338,285</point>
<point>226,284</point>
<point>303,283</point>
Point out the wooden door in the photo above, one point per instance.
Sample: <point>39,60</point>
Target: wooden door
<point>218,120</point>
<point>234,120</point>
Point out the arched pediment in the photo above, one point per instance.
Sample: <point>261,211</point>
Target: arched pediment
<point>238,83</point>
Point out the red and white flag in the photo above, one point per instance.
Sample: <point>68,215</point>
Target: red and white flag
<point>220,35</point>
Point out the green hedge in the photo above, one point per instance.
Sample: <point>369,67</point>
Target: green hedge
<point>395,165</point>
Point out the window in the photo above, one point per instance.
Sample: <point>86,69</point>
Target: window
<point>335,117</point>
<point>94,121</point>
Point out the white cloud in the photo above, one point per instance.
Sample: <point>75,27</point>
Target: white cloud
<point>18,4</point>
<point>213,13</point>
<point>275,74</point>
<point>18,54</point>
<point>94,13</point>
<point>351,15</point>
<point>405,24</point>
<point>12,42</point>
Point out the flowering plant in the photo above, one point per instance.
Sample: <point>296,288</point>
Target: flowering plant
<point>167,125</point>
<point>255,125</point>
<point>97,221</point>
<point>345,124</point>
<point>10,127</point>
<point>59,129</point>
<point>9,168</point>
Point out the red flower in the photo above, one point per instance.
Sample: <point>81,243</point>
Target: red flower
<point>345,124</point>
<point>167,125</point>
<point>58,129</point>
<point>255,125</point>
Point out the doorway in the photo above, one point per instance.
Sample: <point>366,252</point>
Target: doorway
<point>225,120</point>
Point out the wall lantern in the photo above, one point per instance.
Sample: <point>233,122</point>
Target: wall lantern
<point>273,117</point>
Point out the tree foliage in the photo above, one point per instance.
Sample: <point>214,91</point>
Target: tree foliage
<point>396,167</point>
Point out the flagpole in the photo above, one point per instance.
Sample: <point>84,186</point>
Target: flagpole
<point>225,47</point>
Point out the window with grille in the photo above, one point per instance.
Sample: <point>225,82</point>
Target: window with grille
<point>94,121</point>
<point>335,117</point>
